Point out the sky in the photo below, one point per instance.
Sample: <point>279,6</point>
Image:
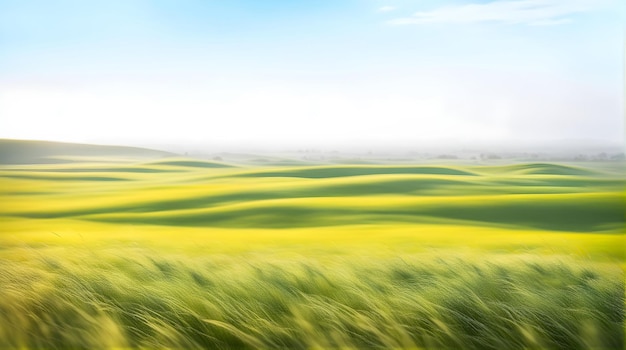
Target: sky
<point>323,72</point>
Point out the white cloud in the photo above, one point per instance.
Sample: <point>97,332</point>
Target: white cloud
<point>530,12</point>
<point>386,9</point>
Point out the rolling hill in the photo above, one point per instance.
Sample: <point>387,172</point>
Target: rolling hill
<point>48,152</point>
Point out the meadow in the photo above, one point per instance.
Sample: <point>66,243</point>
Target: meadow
<point>187,253</point>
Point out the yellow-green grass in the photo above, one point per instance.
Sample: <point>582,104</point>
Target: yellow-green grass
<point>128,296</point>
<point>189,254</point>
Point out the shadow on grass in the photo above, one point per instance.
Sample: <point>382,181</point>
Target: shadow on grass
<point>341,171</point>
<point>589,215</point>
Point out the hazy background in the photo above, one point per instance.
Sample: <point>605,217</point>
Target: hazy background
<point>323,73</point>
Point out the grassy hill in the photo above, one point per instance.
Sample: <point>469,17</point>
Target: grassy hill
<point>47,152</point>
<point>178,192</point>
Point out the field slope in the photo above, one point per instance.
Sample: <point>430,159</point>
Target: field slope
<point>36,152</point>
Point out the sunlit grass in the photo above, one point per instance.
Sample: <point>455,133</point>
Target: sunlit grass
<point>186,254</point>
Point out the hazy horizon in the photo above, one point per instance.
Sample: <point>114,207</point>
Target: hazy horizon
<point>333,74</point>
<point>554,150</point>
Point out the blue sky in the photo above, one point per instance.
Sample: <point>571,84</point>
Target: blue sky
<point>311,72</point>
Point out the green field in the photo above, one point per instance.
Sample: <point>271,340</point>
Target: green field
<point>187,253</point>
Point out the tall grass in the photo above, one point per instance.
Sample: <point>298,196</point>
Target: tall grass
<point>132,297</point>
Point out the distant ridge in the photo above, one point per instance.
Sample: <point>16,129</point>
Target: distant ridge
<point>48,152</point>
<point>191,163</point>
